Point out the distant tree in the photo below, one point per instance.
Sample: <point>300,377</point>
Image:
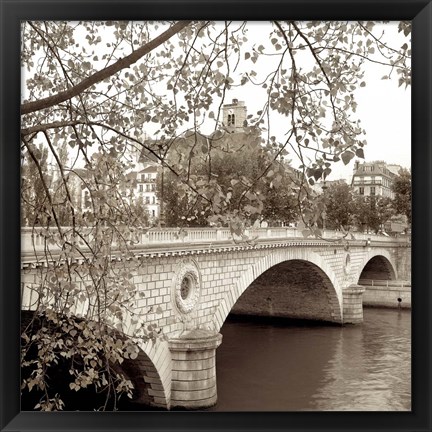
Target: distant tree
<point>139,212</point>
<point>372,212</point>
<point>179,207</point>
<point>229,162</point>
<point>403,193</point>
<point>362,211</point>
<point>281,203</point>
<point>365,213</point>
<point>338,205</point>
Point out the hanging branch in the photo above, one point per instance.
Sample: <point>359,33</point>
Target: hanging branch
<point>123,63</point>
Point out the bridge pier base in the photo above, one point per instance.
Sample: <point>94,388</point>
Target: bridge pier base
<point>193,354</point>
<point>353,304</point>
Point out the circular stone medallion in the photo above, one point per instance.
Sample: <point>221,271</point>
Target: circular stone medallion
<point>187,287</point>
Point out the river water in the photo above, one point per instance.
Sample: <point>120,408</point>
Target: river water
<point>282,365</point>
<point>265,365</point>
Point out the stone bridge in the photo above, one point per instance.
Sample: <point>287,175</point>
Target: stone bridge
<point>191,282</point>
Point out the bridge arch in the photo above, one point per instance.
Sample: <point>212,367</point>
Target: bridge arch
<point>377,264</point>
<point>151,371</point>
<point>150,376</point>
<point>316,263</point>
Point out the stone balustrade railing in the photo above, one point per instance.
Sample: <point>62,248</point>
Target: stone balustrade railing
<point>35,239</point>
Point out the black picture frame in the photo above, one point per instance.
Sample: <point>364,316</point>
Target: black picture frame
<point>12,11</point>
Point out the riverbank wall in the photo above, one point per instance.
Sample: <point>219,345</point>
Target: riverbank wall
<point>387,293</point>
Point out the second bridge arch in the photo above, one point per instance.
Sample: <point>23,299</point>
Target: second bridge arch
<point>295,288</point>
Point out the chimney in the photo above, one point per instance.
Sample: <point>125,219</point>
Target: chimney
<point>356,165</point>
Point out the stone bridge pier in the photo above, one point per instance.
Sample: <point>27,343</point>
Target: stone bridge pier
<point>195,286</point>
<point>193,355</point>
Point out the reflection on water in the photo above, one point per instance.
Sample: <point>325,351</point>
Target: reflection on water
<point>282,366</point>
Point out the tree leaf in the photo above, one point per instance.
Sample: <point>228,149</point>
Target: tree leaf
<point>359,153</point>
<point>347,156</point>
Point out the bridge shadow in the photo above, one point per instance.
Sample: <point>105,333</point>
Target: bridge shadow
<point>378,268</point>
<point>294,289</point>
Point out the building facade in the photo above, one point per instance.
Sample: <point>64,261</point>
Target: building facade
<point>145,188</point>
<point>139,190</point>
<point>374,178</point>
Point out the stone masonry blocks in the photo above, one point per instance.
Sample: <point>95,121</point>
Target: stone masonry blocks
<point>194,368</point>
<point>353,304</point>
<point>264,261</point>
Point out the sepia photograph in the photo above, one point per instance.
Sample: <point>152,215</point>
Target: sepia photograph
<point>216,216</point>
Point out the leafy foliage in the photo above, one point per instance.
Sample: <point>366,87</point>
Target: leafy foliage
<point>372,212</point>
<point>339,206</point>
<point>403,194</point>
<point>80,354</point>
<point>243,179</point>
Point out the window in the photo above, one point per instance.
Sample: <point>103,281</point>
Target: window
<point>153,187</point>
<point>147,200</point>
<point>231,119</point>
<point>153,213</point>
<point>373,190</point>
<point>154,200</point>
<point>361,191</point>
<point>142,177</point>
<point>141,188</point>
<point>87,203</point>
<point>147,188</point>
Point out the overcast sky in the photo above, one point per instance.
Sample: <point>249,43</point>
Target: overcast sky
<point>385,113</point>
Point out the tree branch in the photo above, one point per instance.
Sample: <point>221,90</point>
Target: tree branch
<point>53,125</point>
<point>125,62</point>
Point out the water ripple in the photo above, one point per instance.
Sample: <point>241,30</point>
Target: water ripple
<point>264,367</point>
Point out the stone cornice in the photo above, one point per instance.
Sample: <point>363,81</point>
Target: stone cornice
<point>37,261</point>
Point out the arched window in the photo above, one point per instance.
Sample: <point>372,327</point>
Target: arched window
<point>231,119</point>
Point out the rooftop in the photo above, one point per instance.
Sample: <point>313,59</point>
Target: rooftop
<point>375,168</point>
